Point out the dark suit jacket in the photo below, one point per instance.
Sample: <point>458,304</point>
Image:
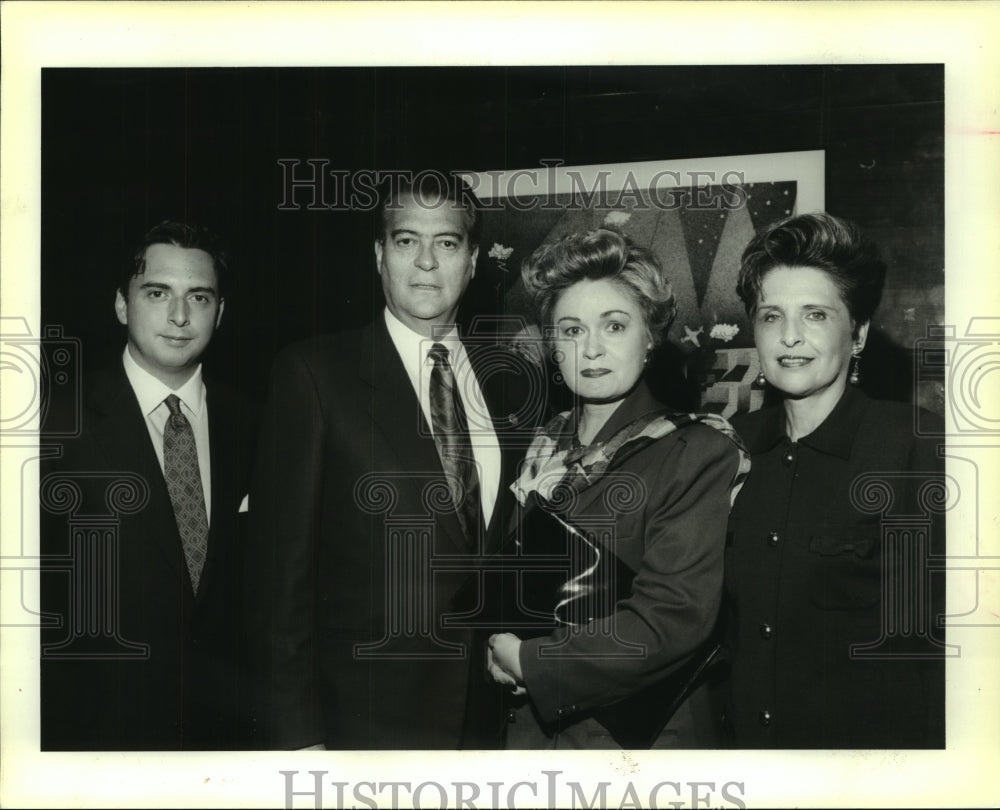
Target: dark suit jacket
<point>348,520</point>
<point>185,689</point>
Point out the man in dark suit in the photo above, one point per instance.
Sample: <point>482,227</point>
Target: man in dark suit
<point>140,522</point>
<point>370,511</point>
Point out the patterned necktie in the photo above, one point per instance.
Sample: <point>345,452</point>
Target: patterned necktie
<point>180,468</point>
<point>451,434</point>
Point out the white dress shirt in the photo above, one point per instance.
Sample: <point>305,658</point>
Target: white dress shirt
<point>413,350</point>
<point>152,394</point>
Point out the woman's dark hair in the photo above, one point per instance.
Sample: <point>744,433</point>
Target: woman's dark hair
<point>179,234</point>
<point>594,255</point>
<point>826,243</point>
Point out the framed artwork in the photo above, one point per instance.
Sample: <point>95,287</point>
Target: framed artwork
<point>695,215</point>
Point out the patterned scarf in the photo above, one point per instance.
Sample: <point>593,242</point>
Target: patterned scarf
<point>547,469</point>
<point>552,474</point>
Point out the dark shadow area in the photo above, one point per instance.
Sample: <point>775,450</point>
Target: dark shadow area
<point>123,149</point>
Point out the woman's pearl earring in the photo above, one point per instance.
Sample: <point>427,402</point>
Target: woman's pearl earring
<point>855,375</point>
<point>760,380</point>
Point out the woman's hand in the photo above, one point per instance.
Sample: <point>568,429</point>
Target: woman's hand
<point>503,661</point>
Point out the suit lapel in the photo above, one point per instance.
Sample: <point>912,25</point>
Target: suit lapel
<point>511,439</point>
<point>396,413</point>
<point>119,429</point>
<point>223,450</point>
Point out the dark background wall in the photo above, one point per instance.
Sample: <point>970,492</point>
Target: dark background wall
<point>123,149</point>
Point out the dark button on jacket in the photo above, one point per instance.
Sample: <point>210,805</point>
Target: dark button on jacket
<point>807,558</point>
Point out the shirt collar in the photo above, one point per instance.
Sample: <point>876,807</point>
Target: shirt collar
<point>151,392</point>
<point>413,347</point>
<point>835,436</point>
<point>771,432</point>
<point>637,403</point>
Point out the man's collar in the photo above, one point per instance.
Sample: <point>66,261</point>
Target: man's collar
<point>151,392</point>
<point>413,343</point>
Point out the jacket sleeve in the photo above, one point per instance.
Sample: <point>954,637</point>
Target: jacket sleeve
<point>280,588</point>
<point>675,594</point>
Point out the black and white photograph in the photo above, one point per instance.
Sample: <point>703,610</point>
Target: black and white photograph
<point>411,405</point>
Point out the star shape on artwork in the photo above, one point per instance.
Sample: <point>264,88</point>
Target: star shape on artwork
<point>692,335</point>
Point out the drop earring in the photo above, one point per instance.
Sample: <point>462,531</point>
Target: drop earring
<point>855,375</point>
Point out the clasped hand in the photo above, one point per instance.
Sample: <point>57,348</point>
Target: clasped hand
<point>503,661</point>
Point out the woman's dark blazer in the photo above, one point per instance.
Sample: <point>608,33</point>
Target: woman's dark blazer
<point>832,610</point>
<point>667,507</point>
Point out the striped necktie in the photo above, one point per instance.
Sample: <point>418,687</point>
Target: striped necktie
<point>451,434</point>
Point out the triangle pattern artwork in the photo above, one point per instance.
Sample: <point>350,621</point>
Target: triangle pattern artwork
<point>720,303</point>
<point>769,202</point>
<point>702,225</point>
<point>699,240</point>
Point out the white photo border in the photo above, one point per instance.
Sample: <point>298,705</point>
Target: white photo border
<point>210,34</point>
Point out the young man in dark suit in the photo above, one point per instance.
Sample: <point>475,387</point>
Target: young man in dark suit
<point>382,479</point>
<point>140,524</point>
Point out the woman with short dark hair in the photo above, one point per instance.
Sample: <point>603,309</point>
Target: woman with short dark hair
<point>831,612</point>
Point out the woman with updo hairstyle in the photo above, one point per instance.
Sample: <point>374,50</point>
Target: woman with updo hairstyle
<point>831,610</point>
<point>619,533</point>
